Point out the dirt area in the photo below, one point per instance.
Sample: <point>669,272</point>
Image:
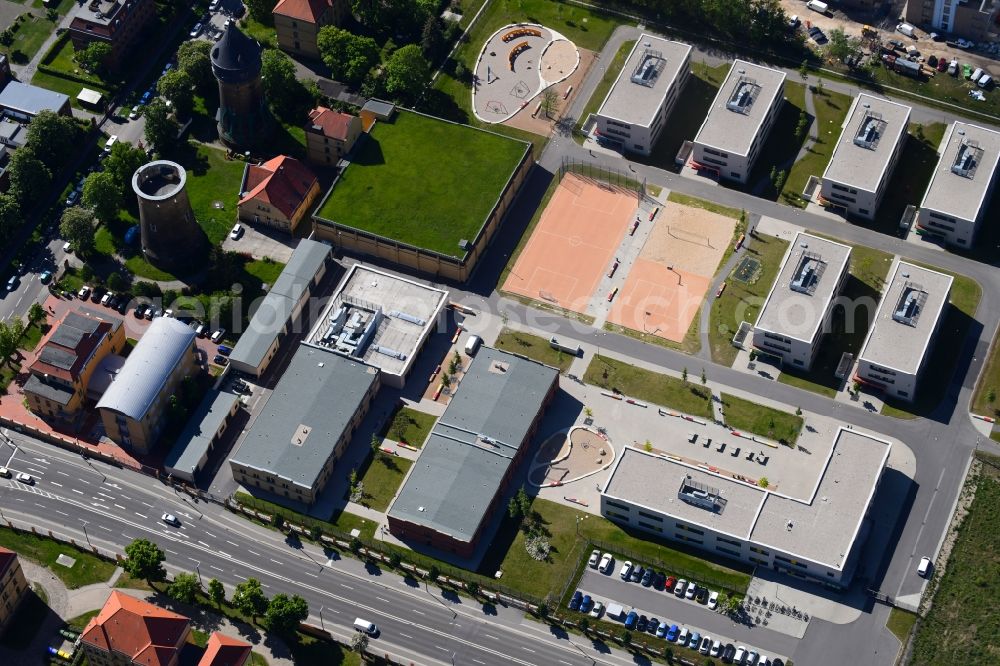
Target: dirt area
<point>562,459</point>
<point>689,239</point>
<point>542,125</point>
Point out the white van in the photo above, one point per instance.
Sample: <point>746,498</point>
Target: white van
<point>977,74</point>
<point>365,627</point>
<point>472,344</point>
<point>906,29</point>
<point>953,67</point>
<point>112,140</point>
<point>924,567</point>
<point>818,6</point>
<point>986,81</point>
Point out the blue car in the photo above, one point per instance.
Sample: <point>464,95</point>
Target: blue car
<point>631,619</point>
<point>146,97</point>
<point>586,604</point>
<point>672,633</point>
<point>574,603</point>
<point>661,631</point>
<point>695,640</point>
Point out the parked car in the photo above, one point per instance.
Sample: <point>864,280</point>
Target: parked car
<point>661,631</point>
<point>134,113</point>
<point>45,277</point>
<point>218,335</point>
<point>702,595</point>
<point>13,282</point>
<point>713,600</point>
<point>146,98</point>
<point>140,310</point>
<point>694,641</point>
<point>924,567</point>
<point>672,633</point>
<point>5,473</point>
<point>626,570</point>
<point>585,604</point>
<point>683,635</point>
<point>647,577</point>
<point>642,624</point>
<point>595,557</point>
<point>236,232</point>
<point>679,588</point>
<point>751,658</point>
<point>157,312</point>
<point>716,650</point>
<point>654,624</point>
<point>607,563</point>
<point>73,197</point>
<point>220,360</point>
<point>669,584</point>
<point>170,519</point>
<point>728,653</point>
<point>84,292</point>
<point>224,350</point>
<point>637,573</point>
<point>794,22</point>
<point>692,589</point>
<point>107,298</point>
<point>764,660</point>
<point>706,644</point>
<point>942,65</point>
<point>631,619</point>
<point>574,603</point>
<point>597,609</point>
<point>25,478</point>
<point>196,30</point>
<point>658,580</point>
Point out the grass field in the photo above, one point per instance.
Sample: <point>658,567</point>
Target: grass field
<point>28,38</point>
<point>690,397</point>
<point>265,270</point>
<point>831,109</point>
<point>912,175</point>
<point>741,302</point>
<point>867,272</point>
<point>88,568</point>
<point>210,178</point>
<point>601,91</point>
<point>538,579</point>
<point>761,420</point>
<point>80,621</point>
<point>989,384</point>
<point>962,625</point>
<point>382,479</point>
<point>781,148</point>
<point>901,623</point>
<point>409,183</point>
<point>534,347</point>
<point>418,425</point>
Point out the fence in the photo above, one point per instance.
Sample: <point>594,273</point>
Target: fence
<point>602,174</point>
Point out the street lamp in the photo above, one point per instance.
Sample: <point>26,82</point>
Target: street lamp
<point>85,523</point>
<point>197,567</point>
<point>322,626</point>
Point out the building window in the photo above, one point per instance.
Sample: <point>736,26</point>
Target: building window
<point>688,528</point>
<point>658,519</point>
<point>654,528</point>
<point>734,174</point>
<point>617,505</point>
<point>798,361</point>
<point>728,551</point>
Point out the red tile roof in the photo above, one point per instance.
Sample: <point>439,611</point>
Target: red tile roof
<point>333,124</point>
<point>303,10</point>
<point>145,633</point>
<point>7,559</point>
<point>224,650</point>
<point>282,182</point>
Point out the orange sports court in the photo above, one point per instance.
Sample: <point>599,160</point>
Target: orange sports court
<point>574,243</point>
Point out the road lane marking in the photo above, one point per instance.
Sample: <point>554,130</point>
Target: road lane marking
<point>496,638</point>
<point>147,504</point>
<point>405,635</point>
<point>56,484</point>
<point>385,600</point>
<point>528,649</point>
<point>204,544</point>
<point>212,566</point>
<point>61,513</point>
<point>78,492</point>
<point>121,507</point>
<point>104,528</point>
<point>274,560</point>
<point>210,534</point>
<point>141,515</point>
<point>232,543</point>
<point>59,471</point>
<point>253,553</point>
<point>170,551</point>
<point>483,662</point>
<point>418,612</point>
<point>443,648</point>
<point>346,586</point>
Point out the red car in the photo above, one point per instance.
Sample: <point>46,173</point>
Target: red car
<point>669,585</point>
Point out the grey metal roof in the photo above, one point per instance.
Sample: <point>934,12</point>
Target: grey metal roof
<point>148,367</point>
<point>192,444</point>
<point>235,57</point>
<point>962,195</point>
<point>54,392</point>
<point>378,107</point>
<point>275,310</point>
<point>454,482</point>
<point>74,328</point>
<point>30,99</point>
<point>864,164</point>
<point>312,405</point>
<point>57,357</point>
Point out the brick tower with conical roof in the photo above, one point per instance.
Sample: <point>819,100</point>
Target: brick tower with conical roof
<point>243,117</point>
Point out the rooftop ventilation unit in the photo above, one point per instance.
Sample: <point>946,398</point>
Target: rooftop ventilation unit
<point>744,95</point>
<point>808,273</point>
<point>910,304</point>
<point>701,495</point>
<point>648,70</point>
<point>968,158</point>
<point>871,130</point>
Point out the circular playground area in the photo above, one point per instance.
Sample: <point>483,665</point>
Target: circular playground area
<point>567,457</point>
<point>518,62</point>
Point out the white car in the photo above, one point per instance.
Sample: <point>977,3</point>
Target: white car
<point>84,293</point>
<point>607,563</point>
<point>713,601</point>
<point>170,519</point>
<point>595,557</point>
<point>626,570</point>
<point>716,648</point>
<point>924,567</point>
<point>4,472</point>
<point>691,591</point>
<point>134,113</point>
<point>679,588</point>
<point>597,609</point>
<point>236,232</point>
<point>763,660</point>
<point>195,31</point>
<point>25,478</point>
<point>67,247</point>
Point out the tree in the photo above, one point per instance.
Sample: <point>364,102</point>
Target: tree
<point>359,642</point>
<point>704,377</point>
<point>161,129</point>
<point>625,637</point>
<point>10,215</point>
<point>216,592</point>
<point>53,138</point>
<point>350,57</point>
<point>36,313</point>
<point>376,444</point>
<point>103,195</point>
<point>10,339</point>
<point>583,625</point>
<point>116,282</point>
<point>779,181</point>
<point>840,45</point>
<point>432,39</point>
<point>804,70</point>
<point>991,395</point>
<point>77,226</point>
<point>94,57</point>
<point>472,587</point>
<point>285,613</point>
<point>184,588</point>
<point>433,572</point>
<point>684,375</point>
<point>123,161</point>
<point>194,59</point>
<point>763,482</point>
<point>29,177</point>
<point>543,610</point>
<point>407,73</point>
<point>260,10</point>
<point>284,91</point>
<point>399,426</point>
<point>550,102</point>
<point>514,509</point>
<point>144,560</point>
<point>249,598</point>
<point>178,87</point>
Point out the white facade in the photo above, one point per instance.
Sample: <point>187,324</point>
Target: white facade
<point>635,110</point>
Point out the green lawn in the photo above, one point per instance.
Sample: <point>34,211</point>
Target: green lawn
<point>867,272</point>
<point>534,347</point>
<point>782,147</point>
<point>741,302</point>
<point>989,384</point>
<point>761,420</point>
<point>80,621</point>
<point>950,89</point>
<point>831,109</point>
<point>962,625</point>
<point>88,568</point>
<point>417,425</point>
<point>695,202</point>
<point>28,38</point>
<point>901,623</point>
<point>964,299</point>
<point>265,270</point>
<point>538,579</point>
<point>409,183</point>
<point>265,34</point>
<point>212,178</point>
<point>33,335</point>
<point>382,479</point>
<point>646,385</point>
<point>342,522</point>
<point>912,175</point>
<point>601,91</point>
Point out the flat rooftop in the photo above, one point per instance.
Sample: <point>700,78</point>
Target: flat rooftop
<point>873,129</point>
<point>648,75</point>
<point>400,314</point>
<point>192,445</point>
<point>824,522</point>
<point>804,287</point>
<point>967,166</point>
<point>739,109</point>
<point>311,406</point>
<point>467,455</point>
<point>824,526</point>
<point>906,317</point>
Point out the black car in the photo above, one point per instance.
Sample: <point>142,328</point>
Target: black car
<point>702,595</point>
<point>123,302</point>
<point>97,294</point>
<point>729,653</point>
<point>637,573</point>
<point>647,578</point>
<point>777,662</point>
<point>139,311</point>
<point>643,624</point>
<point>654,624</point>
<point>220,359</point>
<point>660,580</point>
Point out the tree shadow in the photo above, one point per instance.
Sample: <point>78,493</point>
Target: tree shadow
<point>451,595</point>
<point>373,569</point>
<point>369,153</point>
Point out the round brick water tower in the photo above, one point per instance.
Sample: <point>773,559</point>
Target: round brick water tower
<point>244,120</point>
<point>171,238</point>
